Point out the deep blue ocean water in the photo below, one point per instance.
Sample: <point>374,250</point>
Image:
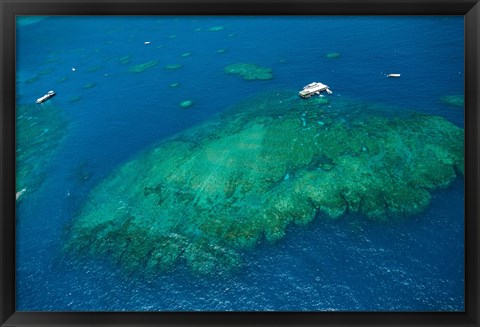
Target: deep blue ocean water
<point>412,264</point>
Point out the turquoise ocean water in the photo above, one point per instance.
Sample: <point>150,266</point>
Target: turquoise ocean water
<point>109,115</point>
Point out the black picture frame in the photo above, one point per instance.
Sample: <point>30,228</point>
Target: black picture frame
<point>10,8</point>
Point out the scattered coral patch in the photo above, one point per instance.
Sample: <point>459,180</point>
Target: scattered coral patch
<point>142,67</point>
<point>249,71</point>
<point>186,104</point>
<point>39,134</point>
<point>453,100</point>
<point>216,28</point>
<point>333,55</point>
<point>173,66</point>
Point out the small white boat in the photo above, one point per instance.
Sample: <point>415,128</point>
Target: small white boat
<point>147,42</point>
<point>19,193</point>
<point>46,97</point>
<point>393,75</point>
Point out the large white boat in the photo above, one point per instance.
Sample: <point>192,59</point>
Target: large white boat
<point>46,97</point>
<point>314,88</point>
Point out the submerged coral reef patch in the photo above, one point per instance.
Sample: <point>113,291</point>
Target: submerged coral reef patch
<point>211,192</point>
<point>142,67</point>
<point>249,71</point>
<point>125,59</point>
<point>216,28</point>
<point>89,86</point>
<point>39,133</point>
<point>453,100</point>
<point>173,66</point>
<point>186,104</point>
<point>333,55</point>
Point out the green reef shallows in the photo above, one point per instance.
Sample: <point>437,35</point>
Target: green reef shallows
<point>45,71</point>
<point>209,193</point>
<point>74,98</point>
<point>51,60</point>
<point>94,69</point>
<point>125,59</point>
<point>89,86</point>
<point>61,79</point>
<point>173,66</point>
<point>216,28</point>
<point>453,100</point>
<point>332,55</point>
<point>142,67</point>
<point>31,80</point>
<point>249,71</point>
<point>40,130</point>
<point>186,104</point>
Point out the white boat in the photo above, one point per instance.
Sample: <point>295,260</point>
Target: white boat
<point>46,97</point>
<point>313,88</point>
<point>393,75</point>
<point>19,193</point>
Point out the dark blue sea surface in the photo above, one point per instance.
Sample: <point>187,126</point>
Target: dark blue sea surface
<point>111,115</point>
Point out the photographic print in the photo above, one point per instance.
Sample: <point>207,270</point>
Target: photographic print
<point>240,163</point>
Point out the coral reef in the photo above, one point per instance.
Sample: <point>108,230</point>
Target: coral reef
<point>39,133</point>
<point>206,195</point>
<point>51,60</point>
<point>45,71</point>
<point>28,20</point>
<point>173,66</point>
<point>74,98</point>
<point>249,71</point>
<point>94,68</point>
<point>61,79</point>
<point>216,28</point>
<point>453,100</point>
<point>31,80</point>
<point>186,104</point>
<point>333,55</point>
<point>125,60</point>
<point>142,67</point>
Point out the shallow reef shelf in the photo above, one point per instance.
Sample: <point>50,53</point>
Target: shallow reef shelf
<point>209,193</point>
